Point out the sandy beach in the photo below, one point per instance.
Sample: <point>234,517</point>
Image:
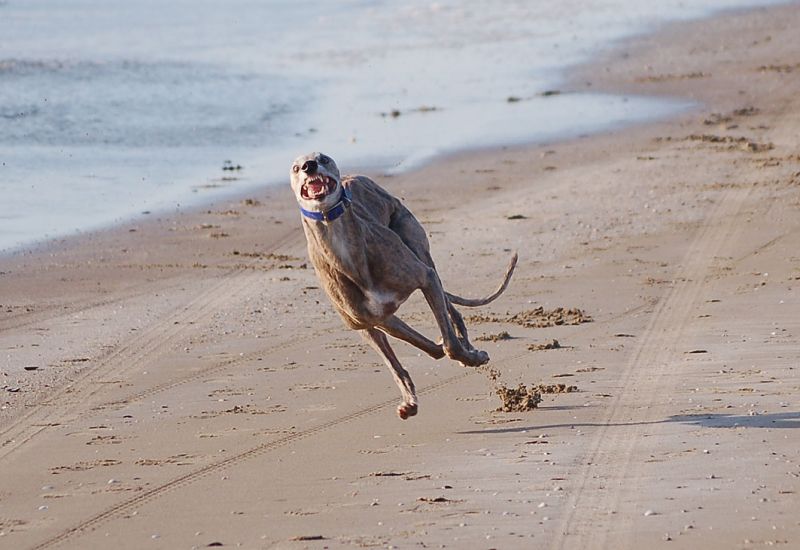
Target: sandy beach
<point>185,383</point>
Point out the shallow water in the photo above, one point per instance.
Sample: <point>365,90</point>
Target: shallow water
<point>109,109</point>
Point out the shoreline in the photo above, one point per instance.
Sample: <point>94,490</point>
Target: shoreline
<point>196,355</point>
<point>569,84</point>
<point>267,190</point>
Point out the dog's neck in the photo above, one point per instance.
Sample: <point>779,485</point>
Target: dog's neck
<point>337,246</point>
<point>333,212</point>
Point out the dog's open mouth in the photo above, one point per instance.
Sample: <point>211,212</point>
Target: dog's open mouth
<point>318,187</point>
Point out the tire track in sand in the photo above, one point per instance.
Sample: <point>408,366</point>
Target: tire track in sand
<point>128,505</point>
<point>607,464</point>
<point>66,403</point>
<point>48,312</point>
<point>214,368</point>
<point>69,402</point>
<point>187,479</point>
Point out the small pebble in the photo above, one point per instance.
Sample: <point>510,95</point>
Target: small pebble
<point>649,513</point>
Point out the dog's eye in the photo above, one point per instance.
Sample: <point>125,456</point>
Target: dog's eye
<point>323,160</point>
<point>295,169</point>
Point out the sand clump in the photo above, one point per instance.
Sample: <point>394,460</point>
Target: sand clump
<point>730,142</point>
<point>503,335</point>
<point>524,398</point>
<point>552,344</point>
<point>538,317</point>
<point>556,388</point>
<point>518,399</point>
<point>541,318</point>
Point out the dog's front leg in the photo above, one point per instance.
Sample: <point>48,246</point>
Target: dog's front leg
<point>434,294</point>
<point>380,343</point>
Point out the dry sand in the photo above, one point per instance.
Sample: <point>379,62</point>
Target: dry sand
<point>184,383</point>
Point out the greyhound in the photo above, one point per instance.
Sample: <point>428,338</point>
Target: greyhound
<point>370,253</point>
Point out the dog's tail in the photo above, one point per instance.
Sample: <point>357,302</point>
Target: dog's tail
<point>476,302</point>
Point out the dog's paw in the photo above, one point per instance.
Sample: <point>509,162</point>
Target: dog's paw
<point>473,358</point>
<point>405,410</point>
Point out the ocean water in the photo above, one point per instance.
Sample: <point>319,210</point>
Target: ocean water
<point>113,109</point>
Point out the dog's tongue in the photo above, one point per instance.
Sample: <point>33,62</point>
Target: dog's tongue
<point>316,189</point>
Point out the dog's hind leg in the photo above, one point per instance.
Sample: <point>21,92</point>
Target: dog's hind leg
<point>394,326</point>
<point>458,324</point>
<point>439,304</point>
<point>380,343</point>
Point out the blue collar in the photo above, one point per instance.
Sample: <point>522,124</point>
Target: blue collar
<point>337,210</point>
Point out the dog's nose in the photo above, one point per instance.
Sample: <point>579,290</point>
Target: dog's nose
<point>309,167</point>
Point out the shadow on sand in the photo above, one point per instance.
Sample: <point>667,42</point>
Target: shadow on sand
<point>705,420</point>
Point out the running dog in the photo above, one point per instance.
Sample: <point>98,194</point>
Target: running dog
<point>370,253</point>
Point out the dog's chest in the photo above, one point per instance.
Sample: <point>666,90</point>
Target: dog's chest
<point>331,251</point>
<point>381,303</point>
<point>341,249</point>
<point>340,255</point>
<point>377,301</point>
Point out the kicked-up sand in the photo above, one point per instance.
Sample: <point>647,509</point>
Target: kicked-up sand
<point>184,383</point>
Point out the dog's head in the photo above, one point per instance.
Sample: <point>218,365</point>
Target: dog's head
<point>315,181</point>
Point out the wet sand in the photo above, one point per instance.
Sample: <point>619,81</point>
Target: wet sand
<point>185,383</point>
